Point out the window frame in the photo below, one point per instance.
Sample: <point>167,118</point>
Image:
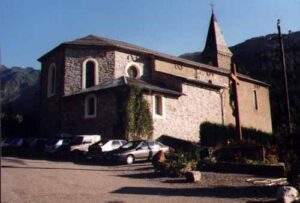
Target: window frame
<point>51,75</point>
<point>163,109</point>
<point>86,106</point>
<point>96,72</point>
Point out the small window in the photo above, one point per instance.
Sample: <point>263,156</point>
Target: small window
<point>90,106</point>
<point>158,105</point>
<point>132,72</point>
<point>51,80</point>
<point>255,100</point>
<point>90,74</point>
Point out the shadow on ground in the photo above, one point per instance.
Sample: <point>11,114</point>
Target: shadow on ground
<point>59,168</point>
<point>149,175</point>
<point>214,192</point>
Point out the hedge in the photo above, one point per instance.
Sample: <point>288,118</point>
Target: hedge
<point>212,134</point>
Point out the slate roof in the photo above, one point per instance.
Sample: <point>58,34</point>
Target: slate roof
<point>92,40</point>
<point>125,81</point>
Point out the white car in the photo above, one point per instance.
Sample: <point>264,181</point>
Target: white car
<point>98,150</point>
<point>112,145</point>
<point>82,142</point>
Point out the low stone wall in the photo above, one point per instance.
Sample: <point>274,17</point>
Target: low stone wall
<point>256,169</point>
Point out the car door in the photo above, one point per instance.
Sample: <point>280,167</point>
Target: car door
<point>154,148</point>
<point>142,151</point>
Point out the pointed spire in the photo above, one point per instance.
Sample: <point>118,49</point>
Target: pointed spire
<point>215,44</point>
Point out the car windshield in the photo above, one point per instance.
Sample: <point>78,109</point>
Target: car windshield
<point>131,145</point>
<point>66,141</point>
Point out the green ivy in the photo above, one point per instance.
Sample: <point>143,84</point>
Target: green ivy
<point>138,120</point>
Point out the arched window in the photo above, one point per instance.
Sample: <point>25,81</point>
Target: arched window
<point>90,105</point>
<point>133,70</point>
<point>89,73</point>
<point>51,80</point>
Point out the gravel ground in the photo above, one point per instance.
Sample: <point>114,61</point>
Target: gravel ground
<point>28,180</point>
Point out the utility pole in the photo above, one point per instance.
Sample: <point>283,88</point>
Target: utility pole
<point>235,82</point>
<point>285,83</point>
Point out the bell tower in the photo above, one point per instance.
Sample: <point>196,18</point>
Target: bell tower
<point>216,51</point>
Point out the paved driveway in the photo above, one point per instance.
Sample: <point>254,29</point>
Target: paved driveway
<point>27,180</point>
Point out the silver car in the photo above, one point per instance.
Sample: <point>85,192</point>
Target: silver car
<point>138,150</point>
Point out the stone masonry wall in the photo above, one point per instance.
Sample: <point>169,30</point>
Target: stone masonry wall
<point>224,61</point>
<point>184,115</point>
<point>50,106</point>
<point>250,117</point>
<point>74,62</point>
<point>259,119</point>
<point>74,122</point>
<point>122,59</point>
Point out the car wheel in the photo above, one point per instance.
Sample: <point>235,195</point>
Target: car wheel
<point>129,159</point>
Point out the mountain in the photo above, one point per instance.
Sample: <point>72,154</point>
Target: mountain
<point>20,101</point>
<point>259,57</point>
<point>20,89</point>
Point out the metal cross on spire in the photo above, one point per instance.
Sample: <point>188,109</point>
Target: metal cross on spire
<point>212,7</point>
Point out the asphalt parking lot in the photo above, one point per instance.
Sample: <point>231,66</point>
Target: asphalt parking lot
<point>29,180</point>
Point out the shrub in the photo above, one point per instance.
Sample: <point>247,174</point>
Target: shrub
<point>177,163</point>
<point>212,134</point>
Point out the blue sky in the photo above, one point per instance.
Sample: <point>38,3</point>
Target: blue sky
<point>30,28</point>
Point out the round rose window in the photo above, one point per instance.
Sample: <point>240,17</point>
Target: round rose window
<point>132,72</point>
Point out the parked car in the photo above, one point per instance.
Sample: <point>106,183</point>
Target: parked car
<point>12,146</point>
<point>5,145</point>
<point>138,150</point>
<point>80,144</point>
<point>57,146</point>
<point>98,149</point>
<point>6,141</point>
<point>37,145</point>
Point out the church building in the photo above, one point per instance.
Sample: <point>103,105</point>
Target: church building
<point>82,81</point>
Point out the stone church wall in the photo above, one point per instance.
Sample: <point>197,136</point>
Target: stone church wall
<point>73,66</point>
<point>184,115</point>
<point>50,106</point>
<point>122,60</point>
<point>250,117</point>
<point>74,122</point>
